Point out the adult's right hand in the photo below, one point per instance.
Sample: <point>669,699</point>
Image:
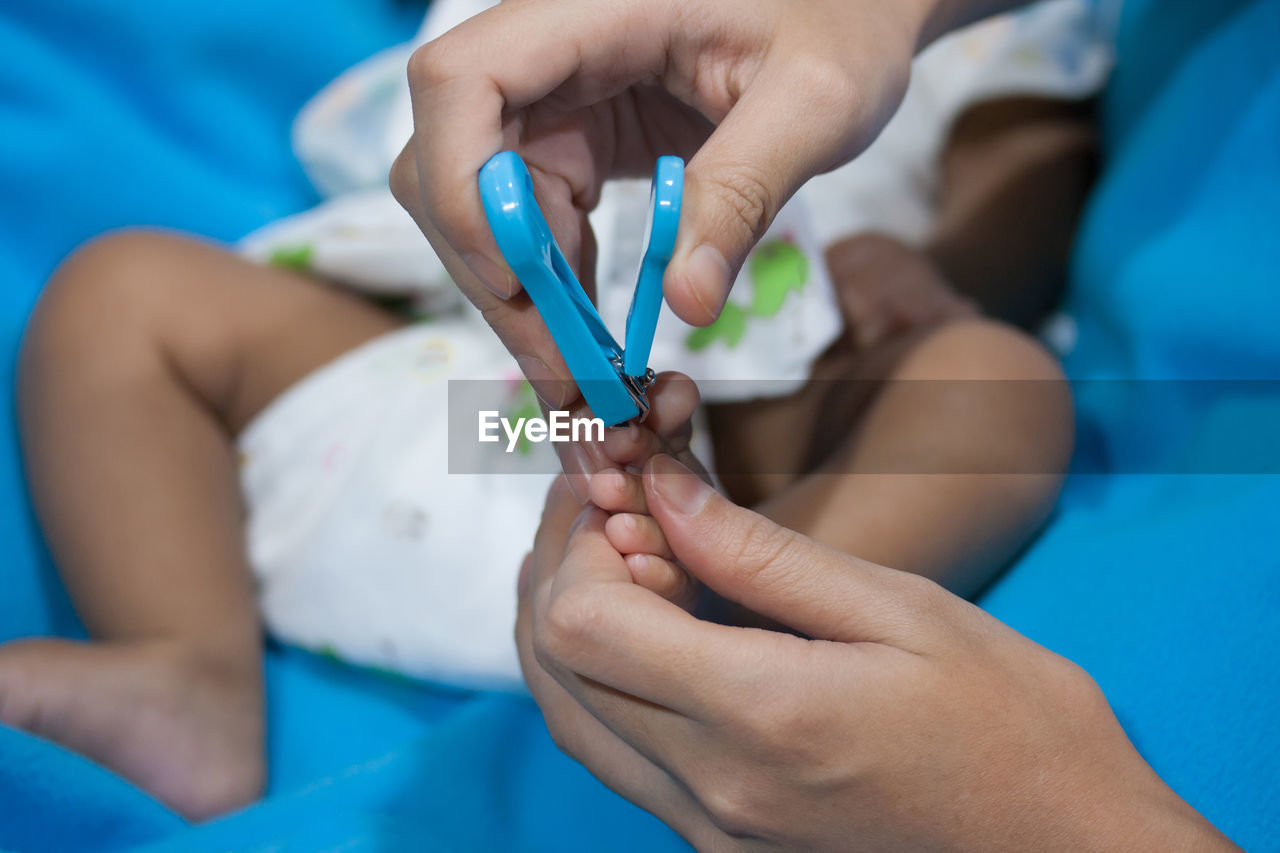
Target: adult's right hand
<point>758,96</point>
<point>904,719</point>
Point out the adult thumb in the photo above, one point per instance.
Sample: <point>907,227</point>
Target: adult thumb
<point>796,119</point>
<point>781,574</point>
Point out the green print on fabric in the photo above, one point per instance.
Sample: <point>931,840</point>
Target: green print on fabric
<point>730,325</point>
<point>297,258</point>
<point>328,653</point>
<point>775,269</point>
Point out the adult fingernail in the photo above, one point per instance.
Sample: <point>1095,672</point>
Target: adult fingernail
<point>496,277</point>
<point>578,468</point>
<point>553,390</point>
<point>677,485</point>
<point>707,273</point>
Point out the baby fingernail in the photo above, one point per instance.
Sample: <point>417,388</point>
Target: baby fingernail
<point>678,485</point>
<point>637,563</point>
<point>553,390</point>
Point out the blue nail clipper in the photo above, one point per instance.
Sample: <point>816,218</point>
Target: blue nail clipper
<point>613,379</point>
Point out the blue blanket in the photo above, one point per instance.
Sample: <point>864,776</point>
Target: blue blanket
<point>1161,574</point>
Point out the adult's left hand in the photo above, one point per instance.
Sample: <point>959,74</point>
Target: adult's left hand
<point>909,720</point>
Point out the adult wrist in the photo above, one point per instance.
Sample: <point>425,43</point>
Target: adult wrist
<point>1146,815</point>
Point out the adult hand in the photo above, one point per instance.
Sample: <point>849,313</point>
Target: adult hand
<point>910,720</point>
<point>759,95</point>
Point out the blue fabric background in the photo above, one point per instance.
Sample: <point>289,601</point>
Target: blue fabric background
<point>1161,579</point>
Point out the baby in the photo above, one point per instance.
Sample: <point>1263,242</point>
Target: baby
<point>212,442</point>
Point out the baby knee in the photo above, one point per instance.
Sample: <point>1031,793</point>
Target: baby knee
<point>1012,379</point>
<point>97,303</point>
<point>981,349</point>
<point>112,273</point>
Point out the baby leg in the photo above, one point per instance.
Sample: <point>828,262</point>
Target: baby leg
<point>145,356</point>
<point>954,464</point>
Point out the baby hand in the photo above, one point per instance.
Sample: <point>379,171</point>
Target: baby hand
<point>630,529</point>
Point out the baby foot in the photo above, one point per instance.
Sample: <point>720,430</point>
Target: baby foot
<point>886,288</point>
<point>187,730</point>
